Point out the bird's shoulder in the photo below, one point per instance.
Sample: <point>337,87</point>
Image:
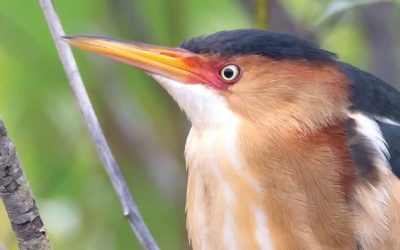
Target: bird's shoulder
<point>373,133</point>
<point>374,121</point>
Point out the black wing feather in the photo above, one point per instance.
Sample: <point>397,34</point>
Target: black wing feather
<point>372,95</point>
<point>392,137</point>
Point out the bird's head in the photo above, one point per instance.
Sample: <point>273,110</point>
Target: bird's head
<point>260,76</point>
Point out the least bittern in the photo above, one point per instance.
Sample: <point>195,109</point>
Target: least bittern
<point>289,147</point>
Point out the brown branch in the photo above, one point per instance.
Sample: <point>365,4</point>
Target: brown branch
<point>110,165</point>
<point>18,199</point>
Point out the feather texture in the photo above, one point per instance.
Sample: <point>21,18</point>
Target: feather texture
<point>373,134</point>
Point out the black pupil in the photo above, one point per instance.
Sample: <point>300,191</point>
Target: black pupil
<point>228,73</point>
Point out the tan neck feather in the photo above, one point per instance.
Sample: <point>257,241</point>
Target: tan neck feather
<point>306,179</point>
<point>299,186</point>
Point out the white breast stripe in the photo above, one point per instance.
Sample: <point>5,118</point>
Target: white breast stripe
<point>229,232</point>
<point>263,236</point>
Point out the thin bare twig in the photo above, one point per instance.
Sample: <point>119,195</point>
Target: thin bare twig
<point>130,208</point>
<point>18,199</point>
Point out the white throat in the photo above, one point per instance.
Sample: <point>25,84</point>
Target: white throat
<point>204,106</point>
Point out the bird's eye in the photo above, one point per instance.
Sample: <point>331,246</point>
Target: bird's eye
<point>230,73</point>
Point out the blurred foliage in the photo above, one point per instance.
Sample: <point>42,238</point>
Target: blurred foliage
<point>76,200</point>
<point>339,6</point>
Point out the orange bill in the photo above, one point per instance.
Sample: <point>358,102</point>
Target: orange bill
<point>174,63</point>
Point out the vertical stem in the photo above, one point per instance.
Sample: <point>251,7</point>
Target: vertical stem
<point>110,165</point>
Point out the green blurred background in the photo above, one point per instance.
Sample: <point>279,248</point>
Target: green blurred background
<point>145,128</point>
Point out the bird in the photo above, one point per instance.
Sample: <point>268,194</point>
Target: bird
<point>289,147</point>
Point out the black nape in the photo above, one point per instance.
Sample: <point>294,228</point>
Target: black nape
<point>257,42</point>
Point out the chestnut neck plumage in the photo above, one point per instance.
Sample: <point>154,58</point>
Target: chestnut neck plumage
<point>251,188</point>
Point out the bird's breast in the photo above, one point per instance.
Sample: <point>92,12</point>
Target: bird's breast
<point>224,202</point>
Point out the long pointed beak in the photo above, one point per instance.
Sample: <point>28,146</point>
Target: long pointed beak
<point>174,63</point>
